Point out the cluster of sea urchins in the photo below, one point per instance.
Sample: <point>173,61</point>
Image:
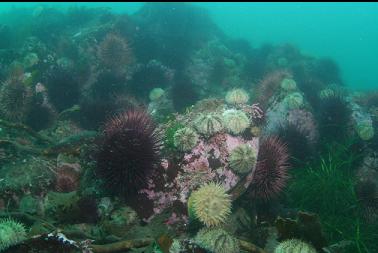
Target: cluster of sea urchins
<point>129,152</point>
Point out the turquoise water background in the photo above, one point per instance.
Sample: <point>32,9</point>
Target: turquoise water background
<point>345,32</point>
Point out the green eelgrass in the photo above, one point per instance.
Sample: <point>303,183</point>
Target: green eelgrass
<point>326,187</point>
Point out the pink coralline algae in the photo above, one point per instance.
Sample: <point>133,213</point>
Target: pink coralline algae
<point>175,218</point>
<point>229,179</point>
<point>161,199</point>
<point>191,177</point>
<point>210,160</point>
<point>206,162</point>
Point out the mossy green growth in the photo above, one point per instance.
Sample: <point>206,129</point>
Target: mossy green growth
<point>217,240</point>
<point>120,221</point>
<point>62,206</point>
<point>11,233</point>
<point>28,204</point>
<point>31,173</point>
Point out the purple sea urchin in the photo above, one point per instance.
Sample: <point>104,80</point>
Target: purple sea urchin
<point>129,152</point>
<point>271,170</point>
<point>334,115</point>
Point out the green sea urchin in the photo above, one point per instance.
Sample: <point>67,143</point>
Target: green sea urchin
<point>217,240</point>
<point>237,96</point>
<point>185,139</point>
<point>156,94</point>
<point>294,246</point>
<point>294,100</point>
<point>288,84</point>
<point>11,233</point>
<point>235,121</point>
<point>208,124</point>
<point>242,158</point>
<point>211,204</point>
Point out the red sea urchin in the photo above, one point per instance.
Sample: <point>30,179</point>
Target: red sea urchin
<point>115,52</point>
<point>129,152</point>
<point>271,170</point>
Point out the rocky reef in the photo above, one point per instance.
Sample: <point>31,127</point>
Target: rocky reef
<point>156,132</point>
